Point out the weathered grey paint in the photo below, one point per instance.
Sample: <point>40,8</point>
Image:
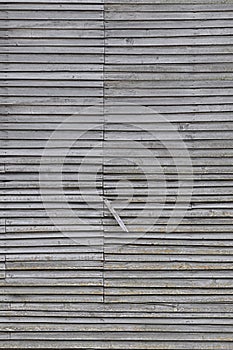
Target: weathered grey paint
<point>162,291</point>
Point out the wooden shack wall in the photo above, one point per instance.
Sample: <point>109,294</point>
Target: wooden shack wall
<point>161,291</point>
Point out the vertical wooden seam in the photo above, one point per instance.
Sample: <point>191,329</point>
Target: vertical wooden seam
<point>104,51</point>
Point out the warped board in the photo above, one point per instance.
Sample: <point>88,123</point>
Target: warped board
<point>119,81</point>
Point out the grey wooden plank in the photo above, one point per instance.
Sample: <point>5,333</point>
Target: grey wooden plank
<point>176,283</point>
<point>170,24</point>
<point>96,14</point>
<point>79,344</point>
<point>114,328</point>
<point>151,6</point>
<point>163,2</point>
<point>166,56</point>
<point>137,336</point>
<point>123,308</point>
<point>56,6</point>
<point>34,50</point>
<point>42,57</point>
<point>166,15</point>
<point>185,32</point>
<point>151,42</point>
<point>130,318</point>
<point>65,33</point>
<point>55,1</point>
<point>51,24</point>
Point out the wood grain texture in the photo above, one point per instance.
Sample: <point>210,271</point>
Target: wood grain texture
<point>90,285</point>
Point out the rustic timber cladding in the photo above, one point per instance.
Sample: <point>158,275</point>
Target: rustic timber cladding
<point>162,290</point>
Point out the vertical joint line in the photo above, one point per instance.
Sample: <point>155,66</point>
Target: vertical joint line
<point>4,254</point>
<point>104,42</point>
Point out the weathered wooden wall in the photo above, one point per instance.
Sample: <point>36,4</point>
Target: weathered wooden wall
<point>162,291</point>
